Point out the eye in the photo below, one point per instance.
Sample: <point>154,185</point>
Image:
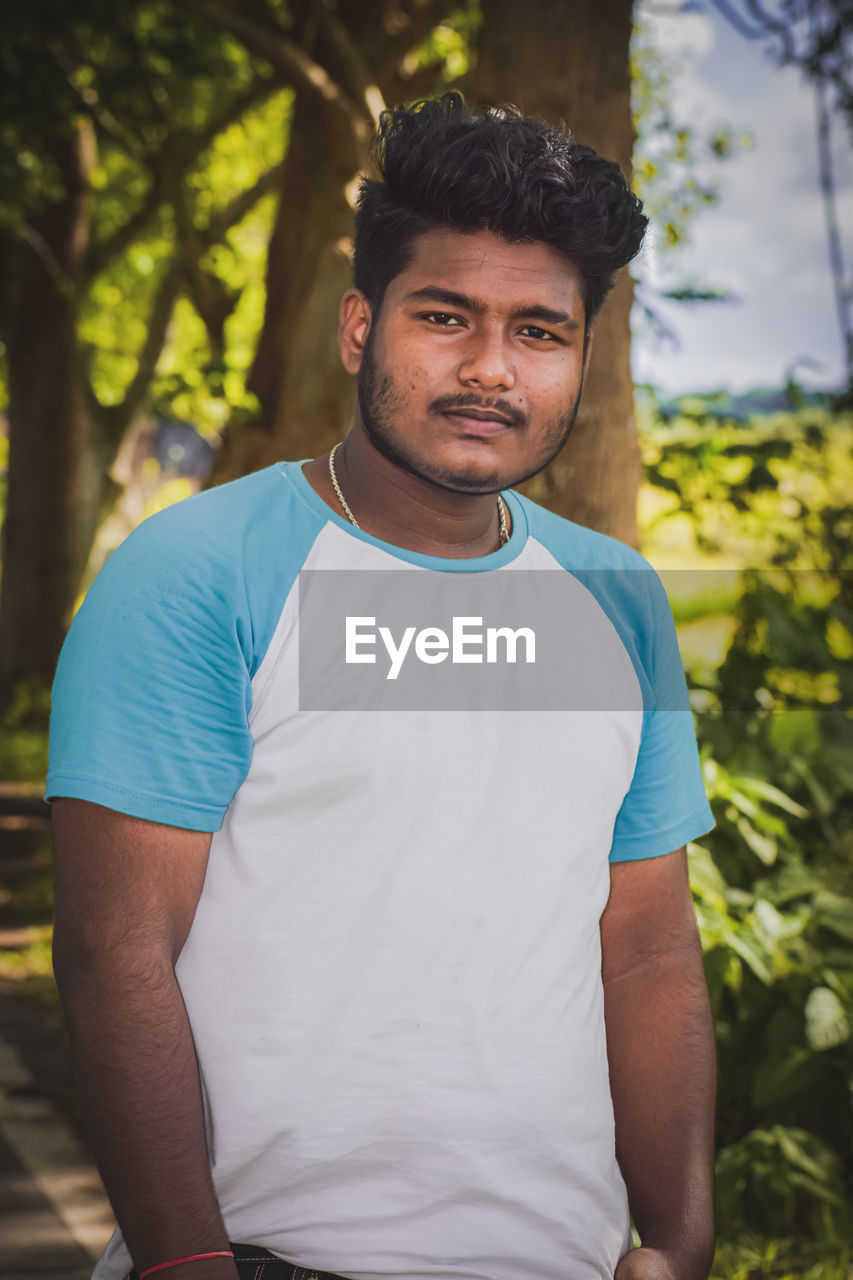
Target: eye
<point>533,331</point>
<point>443,319</point>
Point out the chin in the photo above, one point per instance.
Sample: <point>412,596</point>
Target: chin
<point>467,477</point>
<point>455,475</point>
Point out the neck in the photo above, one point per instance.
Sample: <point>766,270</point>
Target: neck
<point>403,509</point>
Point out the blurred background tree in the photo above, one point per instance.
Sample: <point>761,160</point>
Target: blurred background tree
<point>109,213</point>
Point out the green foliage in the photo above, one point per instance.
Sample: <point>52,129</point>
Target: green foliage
<point>191,382</point>
<point>23,734</point>
<point>755,1258</point>
<point>134,68</point>
<point>447,48</point>
<point>773,883</point>
<point>182,125</point>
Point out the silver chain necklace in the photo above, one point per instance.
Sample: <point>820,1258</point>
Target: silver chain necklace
<point>503,536</point>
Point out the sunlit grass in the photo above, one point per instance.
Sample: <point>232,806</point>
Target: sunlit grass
<point>755,1258</point>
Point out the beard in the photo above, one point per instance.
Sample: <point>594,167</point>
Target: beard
<point>382,405</point>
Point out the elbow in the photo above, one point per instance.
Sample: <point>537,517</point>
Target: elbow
<point>85,959</point>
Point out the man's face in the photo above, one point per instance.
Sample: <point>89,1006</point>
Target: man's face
<point>471,376</point>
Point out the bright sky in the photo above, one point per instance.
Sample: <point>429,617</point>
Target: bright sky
<point>765,240</point>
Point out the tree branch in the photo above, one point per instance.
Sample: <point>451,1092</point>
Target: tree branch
<point>116,418</point>
<point>361,79</point>
<point>292,64</point>
<point>424,81</point>
<point>768,25</point>
<point>843,297</point>
<point>193,145</point>
<point>736,20</point>
<point>236,211</point>
<point>102,253</point>
<point>62,282</point>
<point>91,103</point>
<point>261,88</point>
<point>211,298</point>
<point>213,302</point>
<point>414,23</point>
<point>775,27</point>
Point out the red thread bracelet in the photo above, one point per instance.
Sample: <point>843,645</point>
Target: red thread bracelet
<point>177,1262</point>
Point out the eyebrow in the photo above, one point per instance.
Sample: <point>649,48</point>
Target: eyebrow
<point>529,310</point>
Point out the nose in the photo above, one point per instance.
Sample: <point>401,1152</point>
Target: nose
<point>487,362</point>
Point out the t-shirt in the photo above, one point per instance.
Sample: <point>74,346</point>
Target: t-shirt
<point>416,771</point>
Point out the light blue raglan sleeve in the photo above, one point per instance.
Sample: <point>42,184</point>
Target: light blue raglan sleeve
<point>153,686</point>
<point>665,805</point>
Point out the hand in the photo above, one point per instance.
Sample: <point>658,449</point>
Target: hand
<point>651,1264</point>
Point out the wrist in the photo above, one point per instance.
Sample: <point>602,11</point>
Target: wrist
<point>650,1263</point>
<point>686,1235</point>
<point>202,1269</point>
<point>688,1258</point>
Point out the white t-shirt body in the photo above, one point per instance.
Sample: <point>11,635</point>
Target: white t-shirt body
<point>393,976</point>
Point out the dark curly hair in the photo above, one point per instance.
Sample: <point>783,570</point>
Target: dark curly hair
<point>442,165</point>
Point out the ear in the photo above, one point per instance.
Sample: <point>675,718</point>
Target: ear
<point>353,327</point>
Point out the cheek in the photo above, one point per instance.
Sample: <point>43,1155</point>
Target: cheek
<point>426,365</point>
<point>553,389</point>
<point>417,382</point>
<point>411,373</point>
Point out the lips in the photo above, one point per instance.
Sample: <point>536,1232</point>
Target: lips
<point>478,422</point>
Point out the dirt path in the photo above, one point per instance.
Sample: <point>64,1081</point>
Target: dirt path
<point>54,1216</point>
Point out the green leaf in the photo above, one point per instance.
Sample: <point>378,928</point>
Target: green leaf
<point>826,1022</point>
<point>706,879</point>
<point>766,790</point>
<point>834,912</point>
<point>782,1077</point>
<point>751,951</point>
<point>791,881</point>
<point>773,924</point>
<point>791,1145</point>
<point>763,846</point>
<point>818,1189</point>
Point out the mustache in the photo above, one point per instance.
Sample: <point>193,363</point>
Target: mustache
<point>447,404</point>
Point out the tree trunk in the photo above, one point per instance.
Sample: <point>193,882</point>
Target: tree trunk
<point>55,480</point>
<point>305,394</point>
<point>568,61</point>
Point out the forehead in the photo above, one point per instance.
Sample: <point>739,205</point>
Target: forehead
<point>496,270</point>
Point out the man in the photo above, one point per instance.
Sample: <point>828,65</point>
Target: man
<point>345,904</point>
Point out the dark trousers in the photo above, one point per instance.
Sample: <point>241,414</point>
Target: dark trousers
<point>254,1263</point>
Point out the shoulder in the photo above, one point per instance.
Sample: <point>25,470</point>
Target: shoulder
<point>621,580</point>
<point>221,560</point>
<point>576,547</point>
<point>244,530</point>
<point>609,568</point>
<point>212,523</point>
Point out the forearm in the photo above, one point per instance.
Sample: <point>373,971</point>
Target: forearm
<point>662,1074</point>
<point>138,1084</point>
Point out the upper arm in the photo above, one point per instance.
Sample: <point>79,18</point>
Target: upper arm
<point>649,914</point>
<point>665,805</point>
<point>153,687</point>
<point>123,882</point>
